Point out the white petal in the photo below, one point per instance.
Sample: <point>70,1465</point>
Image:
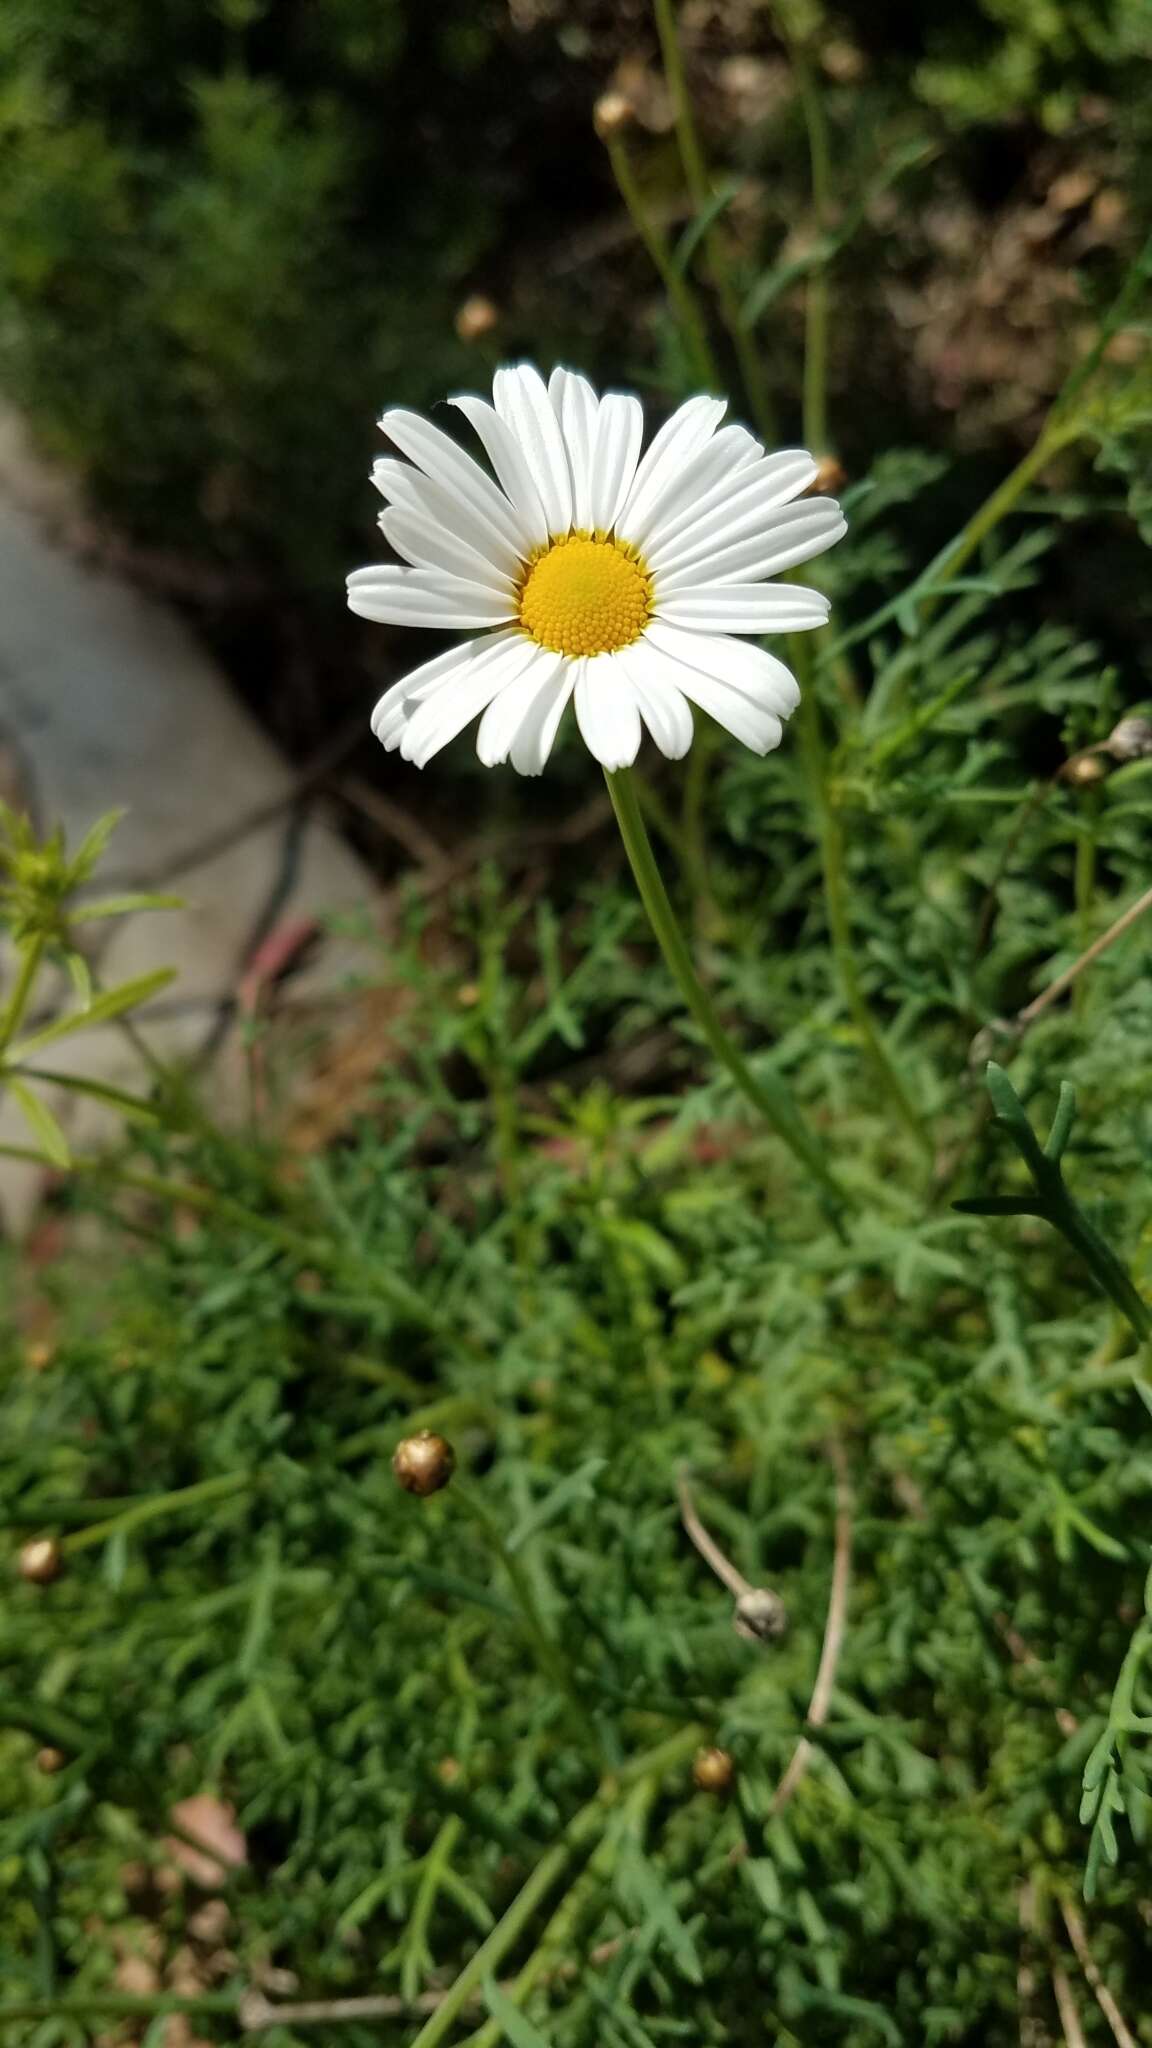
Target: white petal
<point>607,712</point>
<point>727,507</point>
<point>745,608</point>
<point>447,710</point>
<point>521,399</point>
<point>449,466</point>
<point>577,408</point>
<point>510,462</point>
<point>679,439</point>
<point>615,453</point>
<point>425,597</point>
<point>750,669</point>
<point>727,456</point>
<point>536,737</point>
<point>418,538</point>
<point>707,686</point>
<point>519,704</point>
<point>794,534</point>
<point>662,707</point>
<point>410,489</point>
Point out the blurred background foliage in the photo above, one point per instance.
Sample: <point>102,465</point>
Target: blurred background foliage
<point>232,232</point>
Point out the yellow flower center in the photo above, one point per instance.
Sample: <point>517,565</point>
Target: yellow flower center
<point>585,594</point>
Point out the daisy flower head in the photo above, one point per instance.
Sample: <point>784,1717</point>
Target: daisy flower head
<point>589,571</point>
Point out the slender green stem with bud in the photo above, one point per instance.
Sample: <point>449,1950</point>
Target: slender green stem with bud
<point>681,296</point>
<point>700,190</point>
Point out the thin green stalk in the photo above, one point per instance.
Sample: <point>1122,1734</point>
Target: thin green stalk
<point>549,1951</point>
<point>699,187</point>
<point>416,1933</point>
<point>1085,891</point>
<point>155,1507</point>
<point>551,1656</point>
<point>681,296</point>
<point>582,1829</point>
<point>831,839</point>
<point>30,958</point>
<point>817,291</point>
<point>83,2005</point>
<point>768,1096</point>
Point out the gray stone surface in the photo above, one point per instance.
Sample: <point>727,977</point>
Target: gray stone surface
<point>107,700</point>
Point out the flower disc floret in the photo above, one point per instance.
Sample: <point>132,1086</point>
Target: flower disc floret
<point>586,594</point>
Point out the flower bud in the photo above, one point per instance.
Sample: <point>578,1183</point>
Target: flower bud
<point>424,1463</point>
<point>760,1616</point>
<point>613,115</point>
<point>1084,770</point>
<point>713,1770</point>
<point>476,318</point>
<point>50,1760</point>
<point>1131,740</point>
<point>831,474</point>
<point>40,1561</point>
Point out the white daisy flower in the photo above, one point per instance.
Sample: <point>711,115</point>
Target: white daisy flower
<point>594,572</point>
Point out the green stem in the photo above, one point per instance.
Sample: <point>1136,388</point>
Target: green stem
<point>680,293</point>
<point>548,1650</point>
<point>155,1507</point>
<point>952,557</point>
<point>699,187</point>
<point>831,839</point>
<point>1085,890</point>
<point>30,957</point>
<point>549,1953</point>
<point>117,2004</point>
<point>817,290</point>
<point>1098,1255</point>
<point>45,1722</point>
<point>768,1096</point>
<point>583,1828</point>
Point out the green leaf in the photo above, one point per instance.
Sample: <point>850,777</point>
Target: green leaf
<point>696,230</point>
<point>100,1091</point>
<point>647,1891</point>
<point>112,1003</point>
<point>80,977</point>
<point>579,1485</point>
<point>511,2021</point>
<point>1062,1122</point>
<point>41,1122</point>
<point>123,906</point>
<point>92,845</point>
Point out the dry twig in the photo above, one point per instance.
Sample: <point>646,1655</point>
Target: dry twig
<point>833,1630</point>
<point>760,1613</point>
<point>1077,1935</point>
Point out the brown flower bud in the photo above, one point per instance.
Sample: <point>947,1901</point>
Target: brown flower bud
<point>831,474</point>
<point>424,1463</point>
<point>1131,740</point>
<point>1084,769</point>
<point>760,1616</point>
<point>50,1760</point>
<point>613,115</point>
<point>476,318</point>
<point>40,1561</point>
<point>713,1770</point>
